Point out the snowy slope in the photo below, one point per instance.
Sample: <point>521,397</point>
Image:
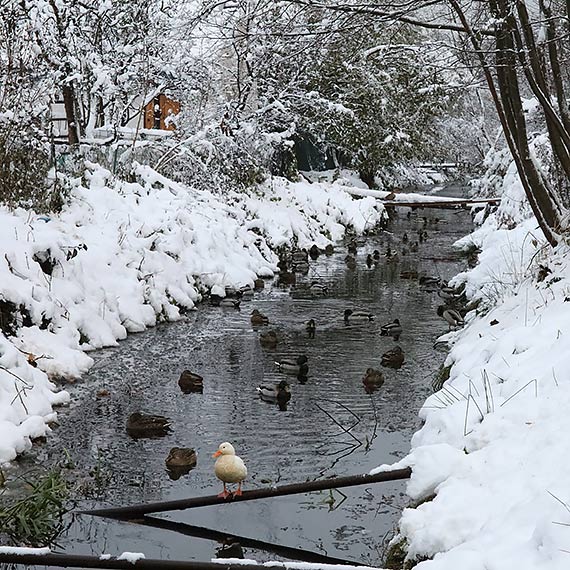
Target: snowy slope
<point>493,448</point>
<point>123,255</point>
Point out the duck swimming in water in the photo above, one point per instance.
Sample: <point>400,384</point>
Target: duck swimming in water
<point>229,303</point>
<point>393,329</point>
<point>318,289</point>
<point>311,327</point>
<point>181,457</point>
<point>147,425</point>
<point>258,318</point>
<point>280,393</point>
<point>268,339</point>
<point>191,382</point>
<point>293,366</point>
<point>393,358</point>
<point>229,468</point>
<point>352,316</point>
<point>372,379</point>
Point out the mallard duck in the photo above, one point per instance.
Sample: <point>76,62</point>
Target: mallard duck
<point>350,315</point>
<point>318,288</point>
<point>414,247</point>
<point>287,278</point>
<point>369,261</point>
<point>303,373</point>
<point>372,379</point>
<point>147,425</point>
<point>391,256</point>
<point>299,256</point>
<point>229,303</point>
<point>279,393</point>
<point>405,237</point>
<point>393,329</point>
<point>311,327</point>
<point>231,291</point>
<point>268,339</point>
<point>191,382</point>
<point>352,247</point>
<point>301,267</point>
<point>393,358</point>
<point>314,252</point>
<point>428,280</point>
<point>181,457</point>
<point>329,249</point>
<point>453,317</point>
<point>449,293</point>
<point>290,366</point>
<point>258,318</point>
<point>245,292</point>
<point>229,468</point>
<point>350,260</point>
<point>259,283</point>
<point>376,255</point>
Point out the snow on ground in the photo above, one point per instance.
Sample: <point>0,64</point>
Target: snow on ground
<point>493,448</point>
<point>122,256</point>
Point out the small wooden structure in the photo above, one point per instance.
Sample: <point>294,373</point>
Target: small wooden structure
<point>159,111</point>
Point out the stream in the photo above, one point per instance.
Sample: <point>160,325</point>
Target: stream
<point>332,427</point>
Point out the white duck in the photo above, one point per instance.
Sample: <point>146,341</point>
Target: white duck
<point>229,468</point>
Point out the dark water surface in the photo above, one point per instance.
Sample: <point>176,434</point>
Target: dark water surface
<point>307,441</point>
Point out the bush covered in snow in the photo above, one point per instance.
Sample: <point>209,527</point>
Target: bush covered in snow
<point>122,256</point>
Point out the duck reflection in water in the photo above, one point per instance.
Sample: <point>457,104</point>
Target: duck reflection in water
<point>230,548</point>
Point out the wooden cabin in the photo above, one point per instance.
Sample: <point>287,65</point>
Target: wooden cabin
<point>157,111</point>
<point>147,121</point>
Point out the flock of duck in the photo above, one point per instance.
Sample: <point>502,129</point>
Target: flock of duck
<point>229,468</point>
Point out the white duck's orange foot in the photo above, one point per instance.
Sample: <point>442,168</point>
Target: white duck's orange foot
<point>238,493</point>
<point>224,494</point>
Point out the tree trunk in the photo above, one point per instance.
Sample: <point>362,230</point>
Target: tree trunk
<point>368,177</point>
<point>507,99</point>
<point>69,104</point>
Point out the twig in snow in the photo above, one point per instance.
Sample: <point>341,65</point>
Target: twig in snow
<point>488,393</point>
<point>521,389</point>
<point>15,376</point>
<point>471,398</point>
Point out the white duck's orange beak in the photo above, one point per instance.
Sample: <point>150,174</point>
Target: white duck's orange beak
<point>217,454</point>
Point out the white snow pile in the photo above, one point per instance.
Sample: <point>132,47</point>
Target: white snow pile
<point>122,256</point>
<point>289,565</point>
<point>132,557</point>
<point>493,449</point>
<point>24,550</point>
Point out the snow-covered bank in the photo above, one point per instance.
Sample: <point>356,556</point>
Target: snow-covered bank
<point>493,447</point>
<point>122,256</point>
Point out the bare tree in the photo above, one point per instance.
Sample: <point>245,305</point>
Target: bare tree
<point>515,56</point>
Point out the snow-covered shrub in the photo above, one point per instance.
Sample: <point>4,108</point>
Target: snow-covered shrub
<point>24,168</point>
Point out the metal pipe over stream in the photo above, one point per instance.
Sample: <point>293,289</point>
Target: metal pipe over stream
<point>134,511</point>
